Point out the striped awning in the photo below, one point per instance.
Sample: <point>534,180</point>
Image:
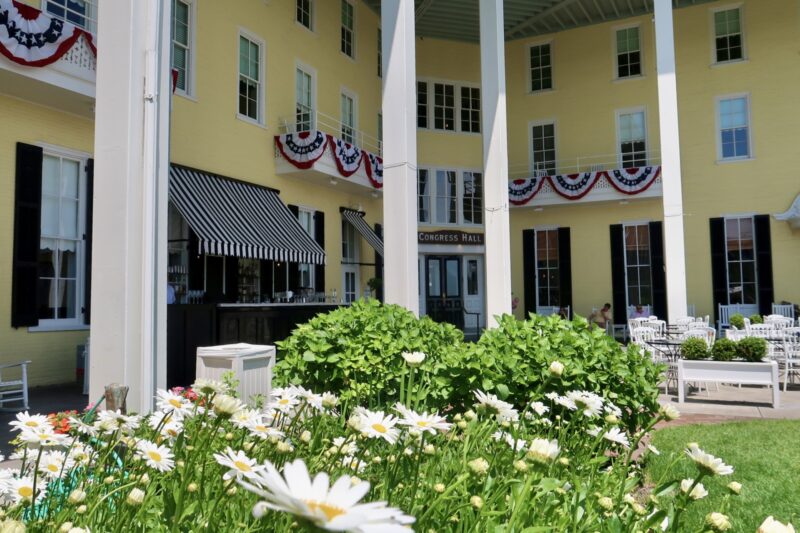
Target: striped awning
<point>356,218</point>
<point>235,218</point>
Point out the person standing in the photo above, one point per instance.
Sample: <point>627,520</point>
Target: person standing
<point>601,317</point>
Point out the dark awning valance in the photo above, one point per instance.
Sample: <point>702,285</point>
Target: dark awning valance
<point>356,218</point>
<point>240,219</point>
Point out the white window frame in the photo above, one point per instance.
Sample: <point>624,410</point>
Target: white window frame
<point>91,16</point>
<point>727,261</point>
<point>528,69</point>
<point>350,264</point>
<point>614,30</point>
<point>431,107</point>
<point>461,191</point>
<point>625,226</point>
<point>352,31</point>
<point>427,104</point>
<point>344,91</point>
<point>65,324</point>
<point>312,19</point>
<point>536,231</point>
<point>432,195</point>
<point>190,92</point>
<point>713,33</point>
<point>312,73</point>
<point>262,84</point>
<point>718,127</point>
<point>460,107</point>
<point>312,232</point>
<point>531,156</point>
<point>629,111</point>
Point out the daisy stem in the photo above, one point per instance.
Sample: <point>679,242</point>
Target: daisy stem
<point>216,503</point>
<point>447,491</point>
<point>685,500</point>
<point>106,496</point>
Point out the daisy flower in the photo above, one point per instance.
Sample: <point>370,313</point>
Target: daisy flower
<point>414,358</point>
<point>238,464</point>
<point>22,489</point>
<point>353,463</point>
<point>422,423</point>
<point>708,463</point>
<point>329,400</point>
<point>208,387</point>
<point>543,450</point>
<point>226,406</point>
<point>343,447</point>
<point>112,421</point>
<point>42,436</point>
<point>82,427</point>
<point>698,492</point>
<point>32,422</point>
<point>312,399</point>
<point>262,431</point>
<point>155,456</point>
<point>591,405</point>
<point>503,411</point>
<point>245,417</point>
<point>53,464</point>
<point>515,444</point>
<point>285,402</point>
<point>376,425</point>
<point>334,508</point>
<point>539,408</point>
<point>615,435</point>
<point>170,402</point>
<point>770,525</point>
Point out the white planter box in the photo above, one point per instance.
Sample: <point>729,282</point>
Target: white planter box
<point>251,364</point>
<point>739,372</point>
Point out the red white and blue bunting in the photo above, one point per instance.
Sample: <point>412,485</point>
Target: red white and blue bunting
<point>374,169</point>
<point>348,157</point>
<point>575,186</point>
<point>34,39</point>
<point>302,149</point>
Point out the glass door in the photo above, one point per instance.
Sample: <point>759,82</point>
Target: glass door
<point>444,299</point>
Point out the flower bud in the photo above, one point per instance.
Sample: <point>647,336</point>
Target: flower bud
<point>231,491</point>
<point>12,526</point>
<point>470,415</point>
<point>229,436</point>
<point>248,446</point>
<point>669,412</point>
<point>606,503</point>
<point>135,497</point>
<point>556,368</point>
<point>305,436</point>
<point>476,502</point>
<point>520,466</point>
<point>191,487</point>
<point>81,509</point>
<point>76,496</point>
<point>461,425</point>
<point>735,487</point>
<point>480,466</point>
<point>429,449</point>
<point>65,527</point>
<point>718,522</point>
<point>109,480</point>
<point>439,487</point>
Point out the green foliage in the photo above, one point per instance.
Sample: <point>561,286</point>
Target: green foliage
<point>724,350</point>
<point>756,319</point>
<point>514,360</point>
<point>694,348</point>
<point>736,320</point>
<point>356,351</point>
<point>752,349</point>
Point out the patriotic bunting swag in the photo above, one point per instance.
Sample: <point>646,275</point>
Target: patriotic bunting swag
<point>34,39</point>
<point>633,180</point>
<point>374,170</point>
<point>302,149</point>
<point>574,186</point>
<point>347,156</point>
<point>520,192</point>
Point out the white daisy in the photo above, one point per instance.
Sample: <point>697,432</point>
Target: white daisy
<point>422,423</point>
<point>82,427</point>
<point>170,402</point>
<point>42,436</point>
<point>31,422</point>
<point>238,464</point>
<point>261,430</point>
<point>313,400</point>
<point>515,444</point>
<point>208,387</point>
<point>21,489</point>
<point>245,417</point>
<point>112,421</point>
<point>353,463</point>
<point>590,404</point>
<point>503,411</point>
<point>53,464</point>
<point>376,425</point>
<point>615,435</point>
<point>708,463</point>
<point>155,456</point>
<point>698,492</point>
<point>543,450</point>
<point>226,406</point>
<point>539,408</point>
<point>329,400</point>
<point>80,453</point>
<point>343,447</point>
<point>334,508</point>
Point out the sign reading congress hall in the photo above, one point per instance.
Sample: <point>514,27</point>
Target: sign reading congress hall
<point>449,237</point>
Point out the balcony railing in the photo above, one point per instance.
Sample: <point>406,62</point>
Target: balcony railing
<point>315,120</point>
<point>588,163</point>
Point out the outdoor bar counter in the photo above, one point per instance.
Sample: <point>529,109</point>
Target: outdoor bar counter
<point>193,325</point>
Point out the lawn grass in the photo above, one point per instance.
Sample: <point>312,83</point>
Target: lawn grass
<point>766,460</point>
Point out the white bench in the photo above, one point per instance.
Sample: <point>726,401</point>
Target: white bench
<point>765,373</point>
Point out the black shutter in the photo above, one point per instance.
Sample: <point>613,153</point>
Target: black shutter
<point>565,270</point>
<point>719,270</point>
<point>658,273</point>
<point>619,302</point>
<point>87,240</point>
<point>294,271</point>
<point>319,236</point>
<point>379,265</point>
<point>197,266</point>
<point>27,233</point>
<point>529,270</point>
<point>766,289</point>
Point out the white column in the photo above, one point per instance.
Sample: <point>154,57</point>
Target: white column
<point>674,252</point>
<point>400,277</point>
<point>128,331</point>
<point>495,161</point>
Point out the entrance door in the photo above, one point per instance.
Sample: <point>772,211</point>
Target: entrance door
<point>444,299</point>
<point>474,295</point>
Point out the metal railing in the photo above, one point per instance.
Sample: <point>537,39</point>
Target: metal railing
<point>589,163</point>
<point>315,120</point>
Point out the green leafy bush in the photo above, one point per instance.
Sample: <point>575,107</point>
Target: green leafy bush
<point>356,351</point>
<point>694,348</point>
<point>752,349</point>
<point>724,350</point>
<point>736,320</point>
<point>514,362</point>
<point>756,319</point>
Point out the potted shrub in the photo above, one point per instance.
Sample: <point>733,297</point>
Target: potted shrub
<point>756,319</point>
<point>752,349</point>
<point>694,349</point>
<point>736,320</point>
<point>724,350</point>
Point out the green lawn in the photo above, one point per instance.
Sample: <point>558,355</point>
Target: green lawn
<point>766,460</point>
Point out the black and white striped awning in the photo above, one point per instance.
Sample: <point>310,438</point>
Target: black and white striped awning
<point>356,218</point>
<point>240,219</point>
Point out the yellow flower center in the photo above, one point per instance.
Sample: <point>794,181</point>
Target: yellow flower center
<point>32,424</point>
<point>283,401</point>
<point>380,428</point>
<point>260,428</point>
<point>25,492</point>
<point>175,403</point>
<point>423,423</point>
<point>244,467</point>
<point>155,456</point>
<point>328,510</point>
<point>52,467</point>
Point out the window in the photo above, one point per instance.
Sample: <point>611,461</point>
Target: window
<point>306,270</point>
<point>446,197</point>
<point>473,283</point>
<point>734,129</point>
<point>60,245</point>
<point>304,100</point>
<point>350,265</point>
<point>544,148</point>
<point>305,13</point>
<point>249,78</point>
<point>348,119</point>
<point>380,53</point>
<point>741,261</point>
<point>728,35</point>
<point>423,196</point>
<point>638,275</point>
<point>541,68</point>
<point>472,203</point>
<point>471,109</point>
<point>380,132</point>
<point>348,29</point>
<point>629,55</point>
<point>82,13</point>
<point>632,139</point>
<point>444,107</point>
<point>422,104</point>
<point>181,43</point>
<point>548,283</point>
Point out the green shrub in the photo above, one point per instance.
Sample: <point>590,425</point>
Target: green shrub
<point>724,350</point>
<point>514,361</point>
<point>356,352</point>
<point>736,320</point>
<point>756,319</point>
<point>694,348</point>
<point>752,349</point>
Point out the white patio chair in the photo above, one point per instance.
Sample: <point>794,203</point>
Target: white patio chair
<point>14,390</point>
<point>706,333</point>
<point>725,312</point>
<point>791,358</point>
<point>660,326</point>
<point>786,310</point>
<point>778,321</point>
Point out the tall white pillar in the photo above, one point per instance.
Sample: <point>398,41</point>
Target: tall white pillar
<point>674,252</point>
<point>128,331</point>
<point>495,160</point>
<point>400,277</point>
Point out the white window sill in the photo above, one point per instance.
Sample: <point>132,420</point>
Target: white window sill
<point>187,96</point>
<point>731,62</point>
<point>248,120</point>
<point>351,58</point>
<point>58,327</point>
<point>541,91</point>
<point>734,160</point>
<point>629,78</point>
<point>305,28</point>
